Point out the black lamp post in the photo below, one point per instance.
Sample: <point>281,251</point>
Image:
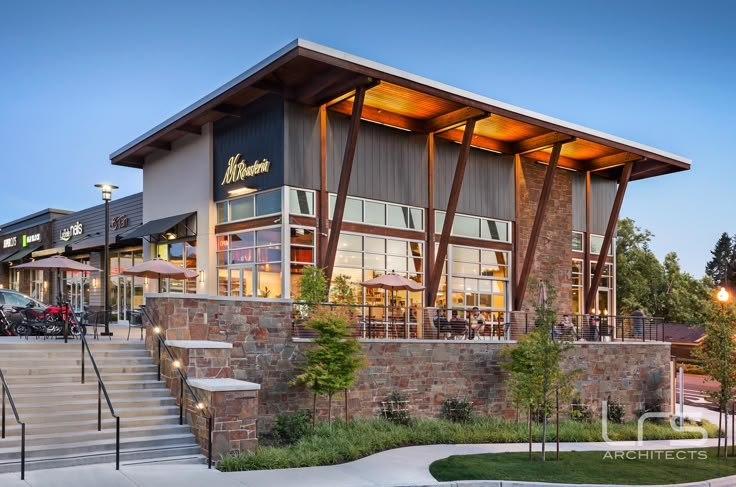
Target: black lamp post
<point>106,197</point>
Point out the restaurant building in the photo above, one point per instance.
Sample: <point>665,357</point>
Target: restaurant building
<point>318,157</point>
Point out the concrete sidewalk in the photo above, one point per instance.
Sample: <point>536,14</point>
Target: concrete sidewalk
<point>402,466</point>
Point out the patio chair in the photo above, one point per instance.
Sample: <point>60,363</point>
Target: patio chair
<point>135,320</point>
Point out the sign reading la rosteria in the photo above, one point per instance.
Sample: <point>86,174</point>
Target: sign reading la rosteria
<point>238,169</point>
<point>71,231</point>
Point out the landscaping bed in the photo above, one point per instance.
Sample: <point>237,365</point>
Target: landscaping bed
<point>344,442</point>
<point>656,468</point>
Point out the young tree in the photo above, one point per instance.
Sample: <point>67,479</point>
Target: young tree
<point>717,356</point>
<point>334,361</point>
<point>312,289</point>
<point>535,367</point>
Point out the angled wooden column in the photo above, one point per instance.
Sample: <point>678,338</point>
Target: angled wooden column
<point>457,181</point>
<point>342,188</point>
<point>586,246</point>
<point>429,249</point>
<point>610,229</point>
<point>517,216</point>
<point>324,201</point>
<point>531,248</point>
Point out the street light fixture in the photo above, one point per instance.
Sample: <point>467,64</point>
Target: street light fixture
<point>722,296</point>
<point>106,197</point>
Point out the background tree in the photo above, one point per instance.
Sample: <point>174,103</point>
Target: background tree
<point>334,361</point>
<point>717,356</point>
<point>720,268</point>
<point>312,289</point>
<point>660,288</point>
<point>535,367</point>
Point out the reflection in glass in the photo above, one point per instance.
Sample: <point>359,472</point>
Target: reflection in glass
<point>268,203</point>
<point>375,213</point>
<point>242,208</point>
<point>301,202</point>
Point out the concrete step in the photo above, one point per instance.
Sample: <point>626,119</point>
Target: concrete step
<point>73,346</point>
<point>72,425</point>
<point>39,437</point>
<point>82,405</point>
<point>76,376</point>
<point>71,415</point>
<point>177,460</point>
<point>86,392</point>
<point>52,352</point>
<point>26,370</point>
<point>106,455</point>
<point>73,388</point>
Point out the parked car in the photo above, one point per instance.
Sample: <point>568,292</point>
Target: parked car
<point>14,298</point>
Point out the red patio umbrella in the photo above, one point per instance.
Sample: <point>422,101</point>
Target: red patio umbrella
<point>393,282</point>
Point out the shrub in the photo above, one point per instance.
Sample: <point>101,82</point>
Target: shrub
<point>653,406</point>
<point>396,409</point>
<point>290,428</point>
<point>616,411</point>
<point>580,411</point>
<point>456,410</point>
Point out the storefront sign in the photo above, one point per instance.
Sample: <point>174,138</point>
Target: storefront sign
<point>10,242</point>
<point>75,230</point>
<point>238,169</point>
<point>119,222</point>
<point>28,239</point>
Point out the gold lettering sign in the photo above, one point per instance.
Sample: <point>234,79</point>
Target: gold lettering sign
<point>238,169</point>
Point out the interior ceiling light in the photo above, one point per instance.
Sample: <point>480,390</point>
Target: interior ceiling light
<point>241,191</point>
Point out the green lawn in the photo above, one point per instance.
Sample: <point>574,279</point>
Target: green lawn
<point>359,438</point>
<point>588,467</point>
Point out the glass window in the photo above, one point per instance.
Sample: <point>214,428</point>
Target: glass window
<point>396,247</point>
<point>377,245</point>
<point>301,202</point>
<point>222,212</point>
<point>577,241</point>
<point>268,236</point>
<point>242,208</point>
<point>353,210</point>
<point>397,216</point>
<point>494,230</point>
<point>466,226</point>
<point>269,281</point>
<point>350,242</point>
<point>475,227</point>
<point>375,213</point>
<point>241,240</point>
<point>596,244</point>
<point>416,219</point>
<point>268,203</point>
<point>302,236</point>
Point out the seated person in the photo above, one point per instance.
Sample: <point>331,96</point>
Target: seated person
<point>567,329</point>
<point>442,324</point>
<point>476,324</point>
<point>457,324</point>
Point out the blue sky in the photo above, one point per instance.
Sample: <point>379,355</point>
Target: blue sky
<point>80,79</point>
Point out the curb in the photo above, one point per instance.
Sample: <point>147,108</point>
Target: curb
<point>719,482</point>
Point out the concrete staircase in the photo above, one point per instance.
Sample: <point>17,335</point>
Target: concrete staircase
<point>61,413</point>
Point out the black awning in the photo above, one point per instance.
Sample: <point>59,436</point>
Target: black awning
<point>157,227</point>
<point>21,253</point>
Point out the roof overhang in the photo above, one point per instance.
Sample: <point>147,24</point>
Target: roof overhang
<point>312,74</point>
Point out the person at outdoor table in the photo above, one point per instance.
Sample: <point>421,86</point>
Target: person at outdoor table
<point>442,324</point>
<point>457,324</point>
<point>595,321</point>
<point>567,329</point>
<point>638,318</point>
<point>475,325</point>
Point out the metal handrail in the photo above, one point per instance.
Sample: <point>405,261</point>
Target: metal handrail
<point>101,390</point>
<point>6,390</point>
<point>182,382</point>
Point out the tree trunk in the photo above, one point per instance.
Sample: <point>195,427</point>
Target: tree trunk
<point>720,410</point>
<point>544,431</point>
<point>530,432</point>
<point>557,423</point>
<point>725,439</point>
<point>346,406</point>
<point>314,410</point>
<point>329,409</point>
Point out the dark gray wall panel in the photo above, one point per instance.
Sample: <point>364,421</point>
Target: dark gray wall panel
<point>602,194</point>
<point>301,145</point>
<point>257,134</point>
<point>389,165</point>
<point>578,201</point>
<point>93,219</point>
<point>488,186</point>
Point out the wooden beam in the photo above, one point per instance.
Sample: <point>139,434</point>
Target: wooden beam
<point>457,181</point>
<point>610,229</point>
<point>562,160</point>
<point>160,145</point>
<point>342,188</point>
<point>542,205</point>
<point>618,159</point>
<point>429,225</point>
<point>190,129</point>
<point>540,142</point>
<point>452,119</point>
<point>480,141</point>
<point>324,200</point>
<point>586,245</point>
<point>518,175</point>
<point>338,87</point>
<point>227,109</point>
<point>381,116</point>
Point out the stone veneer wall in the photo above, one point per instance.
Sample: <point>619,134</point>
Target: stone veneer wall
<point>425,371</point>
<point>553,257</point>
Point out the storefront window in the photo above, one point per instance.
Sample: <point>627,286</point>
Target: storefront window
<point>479,277</point>
<point>251,206</point>
<point>301,202</point>
<point>249,263</point>
<point>358,210</point>
<point>604,301</point>
<point>577,286</point>
<point>474,227</point>
<point>302,254</point>
<point>577,241</point>
<point>596,244</point>
<point>183,254</point>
